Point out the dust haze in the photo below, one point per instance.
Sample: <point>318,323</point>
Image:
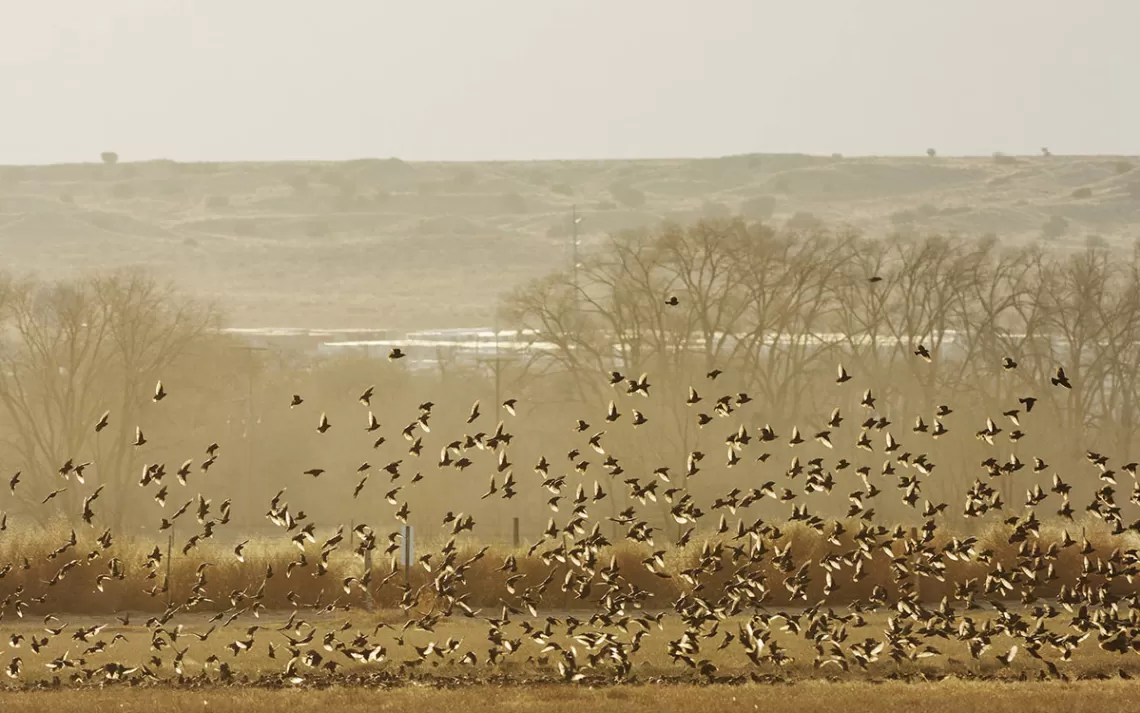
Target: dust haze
<point>640,341</point>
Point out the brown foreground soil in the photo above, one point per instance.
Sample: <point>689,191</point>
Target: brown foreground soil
<point>952,695</point>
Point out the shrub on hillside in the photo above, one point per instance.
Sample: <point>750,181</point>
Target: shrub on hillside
<point>803,220</point>
<point>1054,228</point>
<point>513,203</point>
<point>217,202</point>
<point>464,178</point>
<point>758,208</point>
<point>903,217</point>
<point>715,209</point>
<point>628,196</point>
<point>298,183</point>
<point>925,211</point>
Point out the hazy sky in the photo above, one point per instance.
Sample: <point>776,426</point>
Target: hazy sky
<point>517,79</point>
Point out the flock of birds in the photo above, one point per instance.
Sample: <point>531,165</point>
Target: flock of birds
<point>602,640</point>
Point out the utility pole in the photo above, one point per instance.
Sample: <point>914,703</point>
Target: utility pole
<point>574,242</point>
<point>169,557</point>
<point>249,413</point>
<point>498,367</point>
<point>574,220</point>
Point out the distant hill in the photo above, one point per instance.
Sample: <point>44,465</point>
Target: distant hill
<point>386,243</point>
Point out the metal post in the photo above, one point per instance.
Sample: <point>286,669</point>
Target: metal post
<point>166,577</point>
<point>917,576</point>
<point>368,578</point>
<point>407,567</point>
<point>407,555</point>
<point>516,532</point>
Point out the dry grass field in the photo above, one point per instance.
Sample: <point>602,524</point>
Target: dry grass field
<point>87,591</point>
<point>389,244</point>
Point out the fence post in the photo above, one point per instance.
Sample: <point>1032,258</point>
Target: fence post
<point>407,555</point>
<point>515,534</point>
<point>169,555</point>
<point>917,576</point>
<point>368,578</point>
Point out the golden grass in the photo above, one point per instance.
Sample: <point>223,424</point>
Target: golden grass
<point>949,696</point>
<point>485,585</point>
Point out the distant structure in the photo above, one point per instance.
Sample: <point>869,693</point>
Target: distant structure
<point>426,349</point>
<point>303,341</point>
<point>431,349</point>
<point>486,346</point>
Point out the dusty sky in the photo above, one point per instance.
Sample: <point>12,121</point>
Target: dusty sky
<point>520,79</point>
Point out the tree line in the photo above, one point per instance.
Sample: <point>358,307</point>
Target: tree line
<point>777,310</point>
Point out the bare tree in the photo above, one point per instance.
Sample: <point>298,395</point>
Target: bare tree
<point>777,310</point>
<point>75,350</point>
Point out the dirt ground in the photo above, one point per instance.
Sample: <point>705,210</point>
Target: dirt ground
<point>950,696</point>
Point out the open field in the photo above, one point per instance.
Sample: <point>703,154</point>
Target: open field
<point>389,244</point>
<point>262,659</point>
